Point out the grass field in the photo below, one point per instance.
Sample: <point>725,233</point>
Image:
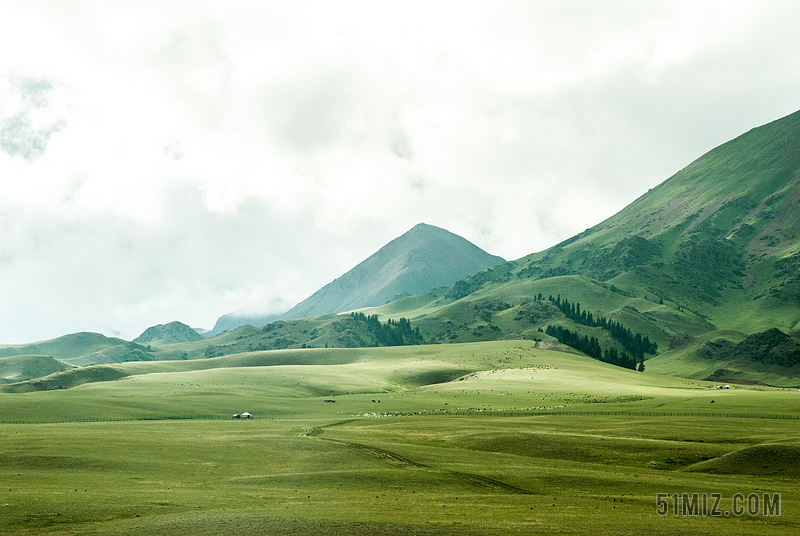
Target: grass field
<point>483,438</point>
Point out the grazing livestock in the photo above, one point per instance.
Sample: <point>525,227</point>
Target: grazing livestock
<point>246,415</point>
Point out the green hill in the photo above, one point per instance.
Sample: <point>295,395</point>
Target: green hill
<point>75,346</point>
<point>24,367</point>
<point>721,237</point>
<point>326,331</point>
<point>714,247</point>
<point>171,333</point>
<point>80,349</point>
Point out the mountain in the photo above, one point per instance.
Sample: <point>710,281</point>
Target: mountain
<point>238,318</point>
<point>423,258</point>
<point>171,333</point>
<point>721,237</point>
<point>711,253</point>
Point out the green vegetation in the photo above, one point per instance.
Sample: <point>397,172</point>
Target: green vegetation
<point>635,343</point>
<point>592,348</point>
<point>392,333</point>
<point>171,333</point>
<point>24,367</point>
<point>484,438</point>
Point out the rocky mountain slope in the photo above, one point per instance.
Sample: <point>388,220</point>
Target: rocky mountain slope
<point>424,258</point>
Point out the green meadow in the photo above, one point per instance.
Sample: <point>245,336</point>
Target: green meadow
<point>504,437</point>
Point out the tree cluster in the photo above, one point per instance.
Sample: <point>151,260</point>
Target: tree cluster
<point>633,342</point>
<point>591,347</point>
<point>392,333</point>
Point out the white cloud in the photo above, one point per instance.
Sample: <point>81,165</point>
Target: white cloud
<point>170,160</point>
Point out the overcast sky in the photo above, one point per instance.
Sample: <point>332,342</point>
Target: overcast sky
<point>168,161</point>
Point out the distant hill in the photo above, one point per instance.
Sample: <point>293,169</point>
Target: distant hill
<point>171,333</point>
<point>83,349</point>
<point>24,367</point>
<point>423,258</point>
<point>242,317</point>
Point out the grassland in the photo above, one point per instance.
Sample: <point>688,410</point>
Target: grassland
<point>482,438</point>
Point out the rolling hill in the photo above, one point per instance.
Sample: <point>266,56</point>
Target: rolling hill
<point>171,333</point>
<point>19,368</point>
<point>85,348</point>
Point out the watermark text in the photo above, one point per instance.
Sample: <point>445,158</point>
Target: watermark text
<point>714,505</point>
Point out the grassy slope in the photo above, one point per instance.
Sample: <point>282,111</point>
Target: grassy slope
<point>717,243</point>
<point>84,349</point>
<point>24,367</point>
<point>447,458</point>
<point>715,232</point>
<point>261,380</point>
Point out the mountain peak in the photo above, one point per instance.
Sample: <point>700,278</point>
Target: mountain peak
<point>423,258</point>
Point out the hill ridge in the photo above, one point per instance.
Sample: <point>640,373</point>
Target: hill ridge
<point>170,333</point>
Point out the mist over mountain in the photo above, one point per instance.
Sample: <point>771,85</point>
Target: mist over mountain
<point>239,318</point>
<point>423,258</point>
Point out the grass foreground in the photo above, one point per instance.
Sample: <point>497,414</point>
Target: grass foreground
<point>485,438</point>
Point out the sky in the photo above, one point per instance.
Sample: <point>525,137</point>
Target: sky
<point>179,160</point>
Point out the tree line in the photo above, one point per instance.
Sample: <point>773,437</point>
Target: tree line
<point>634,344</point>
<point>591,347</point>
<point>392,333</point>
